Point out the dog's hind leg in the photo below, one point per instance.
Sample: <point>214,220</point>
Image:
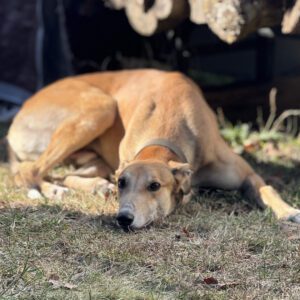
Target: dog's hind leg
<point>94,168</point>
<point>13,160</point>
<point>82,157</point>
<point>91,177</point>
<point>49,190</point>
<point>96,113</point>
<point>95,185</point>
<point>232,172</point>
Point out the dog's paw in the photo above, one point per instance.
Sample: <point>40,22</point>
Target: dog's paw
<point>53,191</point>
<point>295,218</point>
<point>105,189</point>
<point>34,194</point>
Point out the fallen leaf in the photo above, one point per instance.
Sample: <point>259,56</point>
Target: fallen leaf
<point>210,280</point>
<point>187,233</point>
<point>251,146</point>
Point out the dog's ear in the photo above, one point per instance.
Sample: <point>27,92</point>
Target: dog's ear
<point>121,167</point>
<point>183,174</point>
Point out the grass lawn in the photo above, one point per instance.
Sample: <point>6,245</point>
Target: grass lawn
<point>216,247</point>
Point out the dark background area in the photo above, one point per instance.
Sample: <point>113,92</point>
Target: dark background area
<point>43,40</point>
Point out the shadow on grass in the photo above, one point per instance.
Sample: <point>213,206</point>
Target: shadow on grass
<point>273,173</point>
<point>42,217</point>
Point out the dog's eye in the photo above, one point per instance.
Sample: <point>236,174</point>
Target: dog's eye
<point>153,186</point>
<point>122,183</point>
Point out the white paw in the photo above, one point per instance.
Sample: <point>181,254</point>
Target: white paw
<point>105,189</point>
<point>34,194</point>
<point>55,192</point>
<point>295,217</point>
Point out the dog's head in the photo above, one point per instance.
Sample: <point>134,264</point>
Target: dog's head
<point>148,190</point>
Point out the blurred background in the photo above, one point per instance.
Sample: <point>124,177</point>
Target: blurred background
<point>236,50</point>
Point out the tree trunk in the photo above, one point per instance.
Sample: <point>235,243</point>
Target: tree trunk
<point>196,11</point>
<point>115,4</point>
<point>148,17</point>
<point>232,20</point>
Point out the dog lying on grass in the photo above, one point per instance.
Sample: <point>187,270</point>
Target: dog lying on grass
<point>152,128</point>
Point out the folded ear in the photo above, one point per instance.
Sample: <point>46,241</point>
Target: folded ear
<point>183,174</point>
<point>121,167</point>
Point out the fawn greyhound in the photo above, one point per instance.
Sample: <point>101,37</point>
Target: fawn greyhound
<point>152,128</point>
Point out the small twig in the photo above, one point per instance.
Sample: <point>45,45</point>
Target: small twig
<point>295,126</point>
<point>221,117</point>
<point>283,116</point>
<point>289,125</point>
<point>260,118</point>
<point>273,109</point>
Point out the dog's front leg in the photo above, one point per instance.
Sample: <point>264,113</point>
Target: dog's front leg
<point>255,188</point>
<point>232,172</point>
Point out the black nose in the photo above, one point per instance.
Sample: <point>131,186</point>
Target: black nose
<point>125,219</point>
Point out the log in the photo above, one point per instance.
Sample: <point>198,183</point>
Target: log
<point>144,22</point>
<point>291,19</point>
<point>162,9</point>
<point>115,4</point>
<point>232,20</point>
<point>196,11</point>
<point>149,17</point>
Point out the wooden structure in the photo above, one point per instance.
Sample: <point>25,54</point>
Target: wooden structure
<point>230,20</point>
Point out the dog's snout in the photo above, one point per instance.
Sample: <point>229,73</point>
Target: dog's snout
<point>125,219</point>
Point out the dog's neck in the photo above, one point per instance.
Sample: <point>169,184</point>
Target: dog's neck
<point>157,152</point>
